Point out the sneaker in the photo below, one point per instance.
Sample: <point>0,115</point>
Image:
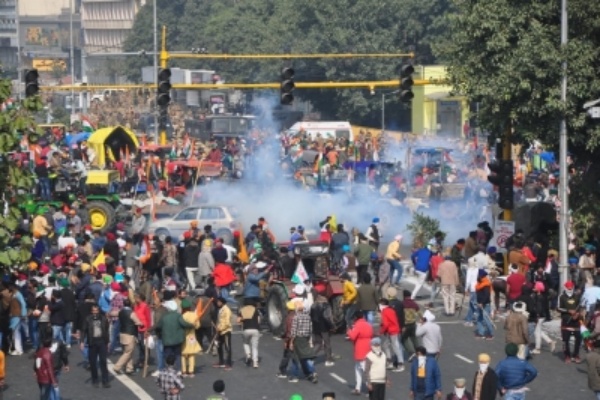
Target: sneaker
<point>218,366</point>
<point>106,385</point>
<point>552,346</point>
<point>255,365</point>
<point>399,368</point>
<point>293,379</point>
<point>227,367</point>
<point>577,360</point>
<point>16,353</point>
<point>489,337</point>
<point>478,336</point>
<point>536,351</point>
<point>389,366</point>
<point>467,323</point>
<point>155,374</point>
<point>313,378</point>
<point>567,360</point>
<point>329,363</point>
<point>281,376</point>
<point>118,371</point>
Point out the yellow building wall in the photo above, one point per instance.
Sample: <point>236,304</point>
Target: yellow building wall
<point>429,98</point>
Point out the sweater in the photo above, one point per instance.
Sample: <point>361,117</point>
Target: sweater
<point>514,373</point>
<point>375,367</point>
<point>361,334</point>
<point>367,297</point>
<point>389,322</point>
<point>431,336</point>
<point>350,293</point>
<point>420,259</point>
<point>172,328</point>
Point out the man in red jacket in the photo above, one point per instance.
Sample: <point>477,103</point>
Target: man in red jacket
<point>390,330</point>
<point>224,277</point>
<point>44,370</point>
<point>361,334</point>
<point>142,311</point>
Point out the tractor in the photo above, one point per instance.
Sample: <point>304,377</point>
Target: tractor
<point>316,259</point>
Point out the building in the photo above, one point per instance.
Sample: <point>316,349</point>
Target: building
<point>106,24</point>
<point>435,109</point>
<point>8,34</point>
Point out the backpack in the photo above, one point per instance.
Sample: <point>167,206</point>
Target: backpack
<point>410,316</point>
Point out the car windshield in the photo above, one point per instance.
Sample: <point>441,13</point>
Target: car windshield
<point>233,212</point>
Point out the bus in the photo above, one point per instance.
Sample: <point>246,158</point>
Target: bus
<point>220,126</point>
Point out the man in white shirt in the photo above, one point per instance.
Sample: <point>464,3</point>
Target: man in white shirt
<point>430,334</point>
<point>470,284</point>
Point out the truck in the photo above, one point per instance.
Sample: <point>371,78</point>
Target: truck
<point>327,129</point>
<point>220,126</point>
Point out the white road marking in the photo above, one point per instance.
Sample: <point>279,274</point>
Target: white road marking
<point>338,378</point>
<point>136,389</point>
<point>465,359</point>
<point>455,322</point>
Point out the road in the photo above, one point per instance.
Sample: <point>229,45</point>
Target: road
<point>458,359</point>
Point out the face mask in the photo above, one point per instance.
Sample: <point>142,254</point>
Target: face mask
<point>381,307</point>
<point>483,367</point>
<point>421,360</point>
<point>459,392</point>
<point>569,292</point>
<point>376,349</point>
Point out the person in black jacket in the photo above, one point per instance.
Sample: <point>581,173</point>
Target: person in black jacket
<point>69,309</point>
<point>323,325</point>
<point>127,335</point>
<point>95,334</point>
<point>485,382</point>
<point>57,316</point>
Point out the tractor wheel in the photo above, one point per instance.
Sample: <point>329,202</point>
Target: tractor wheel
<point>337,311</point>
<point>277,309</point>
<point>162,234</point>
<point>102,215</point>
<point>226,235</point>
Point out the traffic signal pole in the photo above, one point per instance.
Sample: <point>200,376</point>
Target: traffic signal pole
<point>164,58</point>
<point>507,155</point>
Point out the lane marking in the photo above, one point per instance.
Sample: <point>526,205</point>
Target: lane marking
<point>338,378</point>
<point>136,389</point>
<point>465,359</point>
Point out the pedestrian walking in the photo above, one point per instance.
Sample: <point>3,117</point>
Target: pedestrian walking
<point>409,329</point>
<point>168,380</point>
<point>249,318</point>
<point>349,297</point>
<point>172,328</point>
<point>128,323</point>
<point>420,259</point>
<point>190,346</point>
<point>95,334</point>
<point>483,289</point>
<point>425,377</point>
<point>430,334</point>
<point>448,275</point>
<point>393,257</point>
<point>60,363</point>
<point>390,331</point>
<point>485,382</point>
<point>288,353</point>
<point>322,323</point>
<point>367,299</point>
<point>44,370</point>
<point>301,333</point>
<point>361,335</point>
<point>517,331</point>
<point>460,392</point>
<point>514,374</point>
<point>375,371</point>
<point>224,330</point>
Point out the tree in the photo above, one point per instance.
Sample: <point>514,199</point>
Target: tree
<point>16,182</point>
<point>423,228</point>
<point>299,26</point>
<point>506,55</point>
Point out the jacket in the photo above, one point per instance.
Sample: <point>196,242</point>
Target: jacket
<point>126,323</point>
<point>88,329</point>
<point>389,322</point>
<point>367,298</point>
<point>349,293</point>
<point>484,291</point>
<point>489,385</point>
<point>321,316</point>
<point>433,378</point>
<point>69,303</point>
<point>363,253</point>
<point>252,288</point>
<point>206,262</point>
<point>448,273</point>
<point>172,328</point>
<point>375,367</point>
<point>398,308</point>
<point>224,275</point>
<point>593,362</point>
<point>420,259</point>
<point>393,251</point>
<point>43,367</point>
<point>57,315</point>
<point>190,254</point>
<point>431,336</point>
<point>514,373</point>
<point>142,311</point>
<point>361,334</point>
<point>516,328</point>
<point>224,320</point>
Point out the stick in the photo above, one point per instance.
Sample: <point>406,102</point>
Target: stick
<point>460,307</point>
<point>203,310</point>
<point>146,355</point>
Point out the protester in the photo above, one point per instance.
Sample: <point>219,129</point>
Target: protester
<point>128,322</point>
<point>249,318</point>
<point>390,330</point>
<point>459,392</point>
<point>224,330</point>
<point>425,377</point>
<point>169,382</point>
<point>361,335</point>
<point>485,382</point>
<point>430,334</point>
<point>301,333</point>
<point>513,374</point>
<point>568,306</point>
<point>375,371</point>
<point>448,275</point>
<point>95,334</point>
<point>44,370</point>
<point>190,346</point>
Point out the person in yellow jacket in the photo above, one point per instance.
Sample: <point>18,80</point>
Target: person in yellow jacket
<point>190,346</point>
<point>393,257</point>
<point>41,228</point>
<point>224,329</point>
<point>349,296</point>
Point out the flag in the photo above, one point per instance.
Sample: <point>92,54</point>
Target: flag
<point>333,224</point>
<point>86,125</point>
<point>100,259</point>
<point>300,274</point>
<point>243,253</point>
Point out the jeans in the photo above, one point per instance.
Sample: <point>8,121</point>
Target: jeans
<point>251,337</point>
<point>115,327</point>
<point>421,276</point>
<point>484,325</point>
<point>55,393</point>
<point>160,353</point>
<point>397,267</point>
<point>67,330</point>
<point>176,351</point>
<point>15,325</point>
<point>34,332</point>
<point>421,396</point>
<point>391,347</point>
<point>224,343</point>
<point>472,307</point>
<point>45,391</point>
<point>57,333</point>
<point>307,366</point>
<point>45,189</point>
<point>349,314</point>
<point>227,297</point>
<point>359,372</point>
<point>369,316</point>
<point>285,360</point>
<point>511,395</point>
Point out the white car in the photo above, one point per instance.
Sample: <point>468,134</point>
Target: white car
<point>222,219</point>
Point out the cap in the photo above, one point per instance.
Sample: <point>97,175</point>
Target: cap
<point>484,358</point>
<point>569,285</point>
<point>376,341</point>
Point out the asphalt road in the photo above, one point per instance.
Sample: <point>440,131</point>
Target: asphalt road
<point>459,359</point>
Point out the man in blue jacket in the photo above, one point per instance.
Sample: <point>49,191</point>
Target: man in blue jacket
<point>513,374</point>
<point>425,377</point>
<point>252,287</point>
<point>420,259</point>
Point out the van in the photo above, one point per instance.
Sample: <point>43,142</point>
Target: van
<point>328,130</point>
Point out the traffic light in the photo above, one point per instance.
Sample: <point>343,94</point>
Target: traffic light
<point>32,86</point>
<point>163,94</point>
<point>502,177</point>
<point>287,86</point>
<point>406,83</point>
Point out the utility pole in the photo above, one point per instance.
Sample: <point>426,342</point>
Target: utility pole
<point>563,178</point>
<point>18,43</point>
<point>155,58</point>
<point>72,56</point>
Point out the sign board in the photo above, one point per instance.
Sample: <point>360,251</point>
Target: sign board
<point>594,112</point>
<point>502,231</point>
<point>45,65</point>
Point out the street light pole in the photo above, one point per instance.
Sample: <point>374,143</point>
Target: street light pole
<point>155,57</point>
<point>564,184</point>
<point>72,56</point>
<point>18,43</point>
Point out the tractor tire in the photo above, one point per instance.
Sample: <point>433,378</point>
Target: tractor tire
<point>337,312</point>
<point>277,310</point>
<point>162,234</point>
<point>226,235</point>
<point>102,215</point>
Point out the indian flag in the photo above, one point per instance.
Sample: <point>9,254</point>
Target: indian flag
<point>86,125</point>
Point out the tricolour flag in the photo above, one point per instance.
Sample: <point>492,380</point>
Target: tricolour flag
<point>300,274</point>
<point>86,125</point>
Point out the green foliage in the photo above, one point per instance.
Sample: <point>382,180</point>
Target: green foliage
<point>507,56</point>
<point>60,115</point>
<point>423,228</point>
<point>300,26</point>
<point>15,182</point>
